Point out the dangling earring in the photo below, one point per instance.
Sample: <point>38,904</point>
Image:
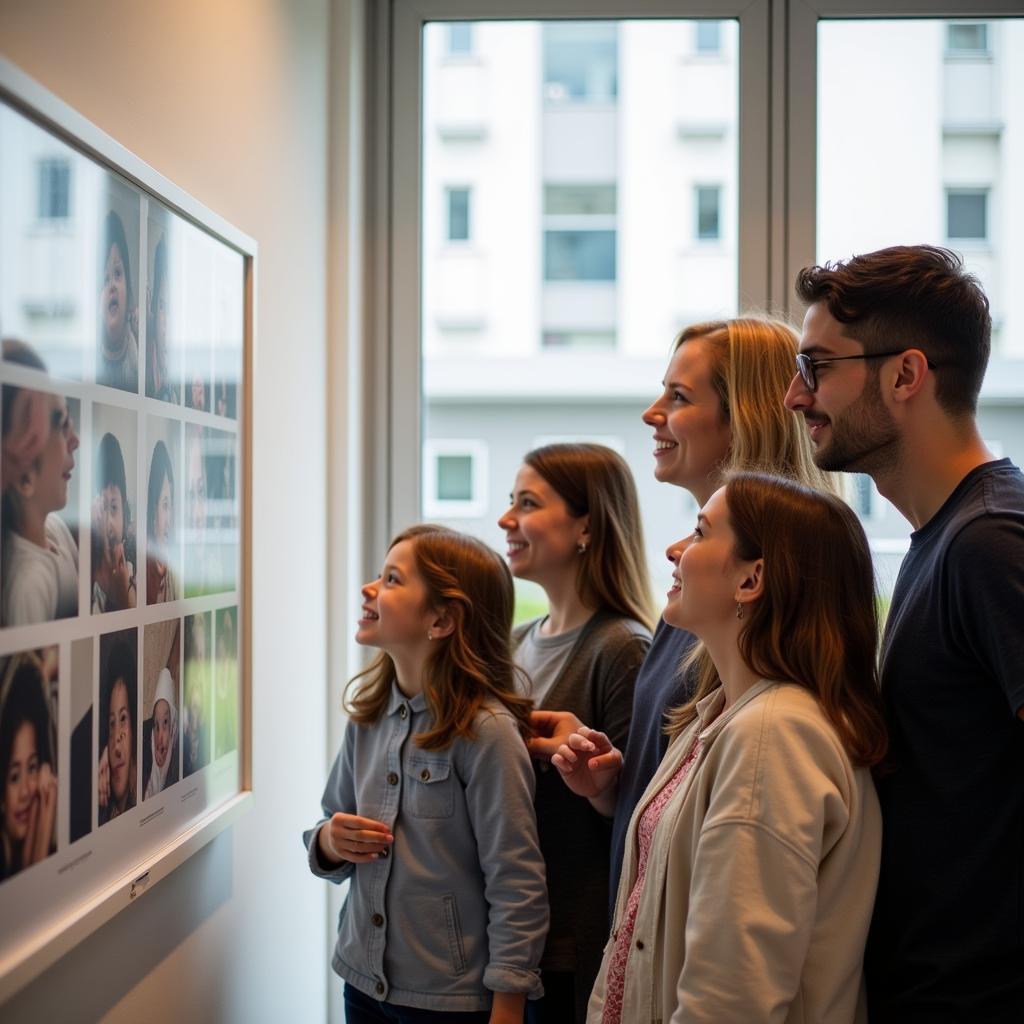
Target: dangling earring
<point>581,547</point>
<point>739,610</point>
<point>430,634</point>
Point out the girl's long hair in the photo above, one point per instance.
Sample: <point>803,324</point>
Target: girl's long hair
<point>470,666</point>
<point>816,623</point>
<point>595,481</point>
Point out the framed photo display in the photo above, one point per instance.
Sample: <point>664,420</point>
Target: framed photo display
<point>126,322</point>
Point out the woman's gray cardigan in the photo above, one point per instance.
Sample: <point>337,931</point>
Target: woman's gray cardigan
<point>597,686</point>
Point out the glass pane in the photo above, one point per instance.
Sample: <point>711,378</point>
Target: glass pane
<point>966,214</point>
<point>947,176</point>
<point>580,146</point>
<point>454,478</point>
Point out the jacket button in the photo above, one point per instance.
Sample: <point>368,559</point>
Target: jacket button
<point>380,988</point>
<point>377,919</point>
<point>392,779</point>
<point>639,944</point>
<point>425,775</point>
<point>403,711</point>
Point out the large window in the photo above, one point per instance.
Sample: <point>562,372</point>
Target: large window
<point>618,196</point>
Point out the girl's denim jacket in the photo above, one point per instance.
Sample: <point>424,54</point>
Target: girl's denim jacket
<point>458,908</point>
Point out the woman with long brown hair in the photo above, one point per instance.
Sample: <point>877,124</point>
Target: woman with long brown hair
<point>573,527</point>
<point>752,857</point>
<point>428,810</point>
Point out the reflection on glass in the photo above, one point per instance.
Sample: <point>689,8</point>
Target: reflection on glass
<point>38,514</point>
<point>163,509</point>
<point>196,709</point>
<point>225,675</point>
<point>117,353</point>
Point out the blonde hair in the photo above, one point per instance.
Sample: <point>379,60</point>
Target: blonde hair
<point>470,666</point>
<point>753,361</point>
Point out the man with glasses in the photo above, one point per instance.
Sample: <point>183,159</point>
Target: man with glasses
<point>894,348</point>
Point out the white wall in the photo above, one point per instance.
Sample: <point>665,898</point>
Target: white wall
<point>227,98</point>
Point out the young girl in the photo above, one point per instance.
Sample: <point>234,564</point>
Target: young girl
<point>752,857</point>
<point>40,556</point>
<point>429,806</point>
<point>117,783</point>
<point>163,736</point>
<point>573,526</point>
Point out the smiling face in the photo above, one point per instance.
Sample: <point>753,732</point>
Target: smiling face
<point>707,572</point>
<point>691,434</point>
<point>161,731</point>
<point>850,427</point>
<point>114,299</point>
<point>120,741</point>
<point>21,782</point>
<point>52,472</point>
<point>396,614</point>
<point>542,534</point>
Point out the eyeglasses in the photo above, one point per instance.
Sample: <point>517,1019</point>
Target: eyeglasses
<point>807,367</point>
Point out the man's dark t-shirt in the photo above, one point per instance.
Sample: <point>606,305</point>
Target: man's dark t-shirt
<point>947,939</point>
<point>659,687</point>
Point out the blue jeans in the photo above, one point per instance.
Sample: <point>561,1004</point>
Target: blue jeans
<point>362,1009</point>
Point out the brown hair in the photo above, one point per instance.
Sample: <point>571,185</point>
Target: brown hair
<point>815,624</point>
<point>752,365</point>
<point>595,481</point>
<point>473,664</point>
<point>915,296</point>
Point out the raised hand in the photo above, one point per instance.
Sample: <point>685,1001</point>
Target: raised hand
<point>551,729</point>
<point>588,762</point>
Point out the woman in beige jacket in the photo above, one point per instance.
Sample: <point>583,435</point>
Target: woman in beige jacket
<point>752,858</point>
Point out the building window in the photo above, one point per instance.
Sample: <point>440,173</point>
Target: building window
<point>708,37</point>
<point>863,496</point>
<point>581,62</point>
<point>967,39</point>
<point>579,233</point>
<point>579,341</point>
<point>54,189</point>
<point>454,478</point>
<point>579,200</point>
<point>460,38</point>
<point>709,221</point>
<point>458,214</point>
<point>579,255</point>
<point>967,214</point>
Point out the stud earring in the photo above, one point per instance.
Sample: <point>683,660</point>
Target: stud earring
<point>739,610</point>
<point>430,634</point>
<point>581,547</point>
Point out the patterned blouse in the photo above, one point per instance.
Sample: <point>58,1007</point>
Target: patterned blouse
<point>615,982</point>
